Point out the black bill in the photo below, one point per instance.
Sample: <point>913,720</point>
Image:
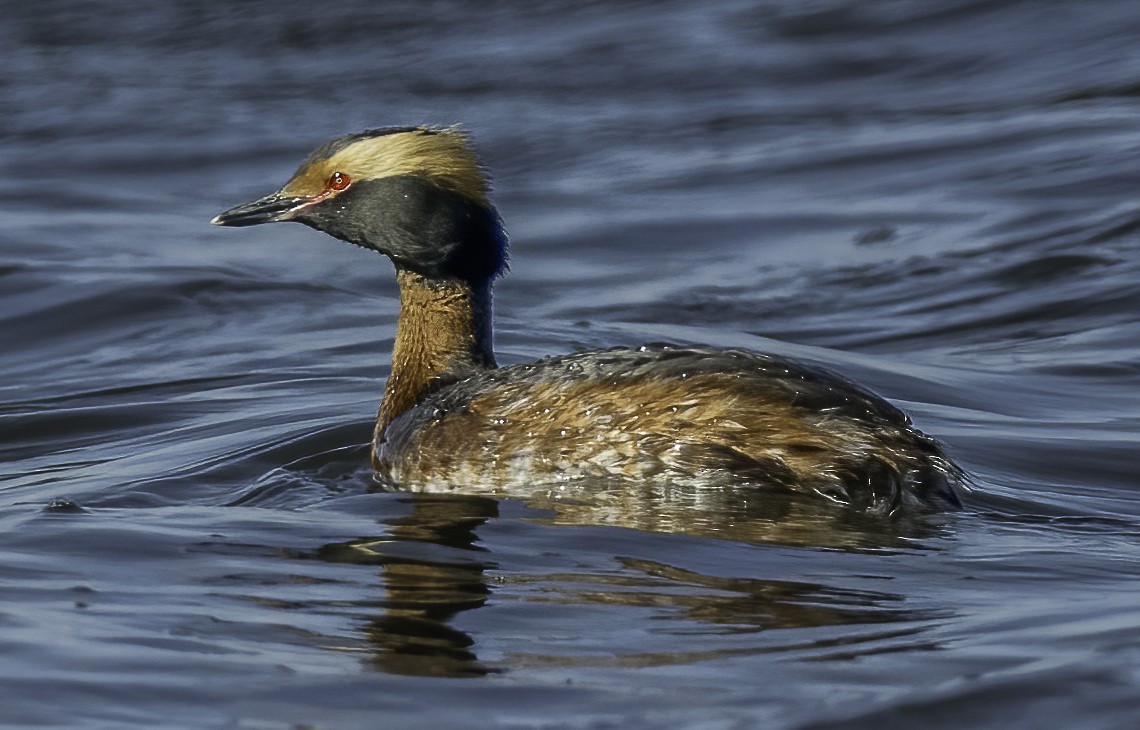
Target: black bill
<point>275,207</point>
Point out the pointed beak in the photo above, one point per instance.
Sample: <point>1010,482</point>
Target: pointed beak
<point>271,208</point>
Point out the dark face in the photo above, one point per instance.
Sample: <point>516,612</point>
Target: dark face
<point>420,226</point>
<point>415,195</point>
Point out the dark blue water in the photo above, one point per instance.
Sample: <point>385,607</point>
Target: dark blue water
<point>938,199</point>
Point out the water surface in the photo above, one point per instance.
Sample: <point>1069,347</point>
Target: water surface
<point>937,199</point>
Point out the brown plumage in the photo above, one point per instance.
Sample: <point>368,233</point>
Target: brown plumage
<point>692,416</point>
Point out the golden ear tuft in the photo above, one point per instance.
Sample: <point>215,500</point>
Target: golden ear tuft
<point>442,156</point>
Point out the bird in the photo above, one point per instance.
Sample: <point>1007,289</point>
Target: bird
<point>690,416</point>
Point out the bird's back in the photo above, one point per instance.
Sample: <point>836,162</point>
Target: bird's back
<point>683,415</point>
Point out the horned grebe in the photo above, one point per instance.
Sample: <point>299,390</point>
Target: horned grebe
<point>451,420</point>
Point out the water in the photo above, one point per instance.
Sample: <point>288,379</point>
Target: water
<point>937,199</point>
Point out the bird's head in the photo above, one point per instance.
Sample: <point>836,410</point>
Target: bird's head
<point>416,194</point>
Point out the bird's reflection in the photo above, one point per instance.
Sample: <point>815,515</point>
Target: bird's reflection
<point>753,516</point>
<point>432,568</point>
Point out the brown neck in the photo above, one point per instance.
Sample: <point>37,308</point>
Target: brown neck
<point>444,328</point>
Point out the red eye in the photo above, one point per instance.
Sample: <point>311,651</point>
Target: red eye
<point>338,181</point>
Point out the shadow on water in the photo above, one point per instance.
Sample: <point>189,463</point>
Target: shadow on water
<point>632,547</point>
<point>741,515</point>
<point>431,570</point>
<point>434,567</point>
